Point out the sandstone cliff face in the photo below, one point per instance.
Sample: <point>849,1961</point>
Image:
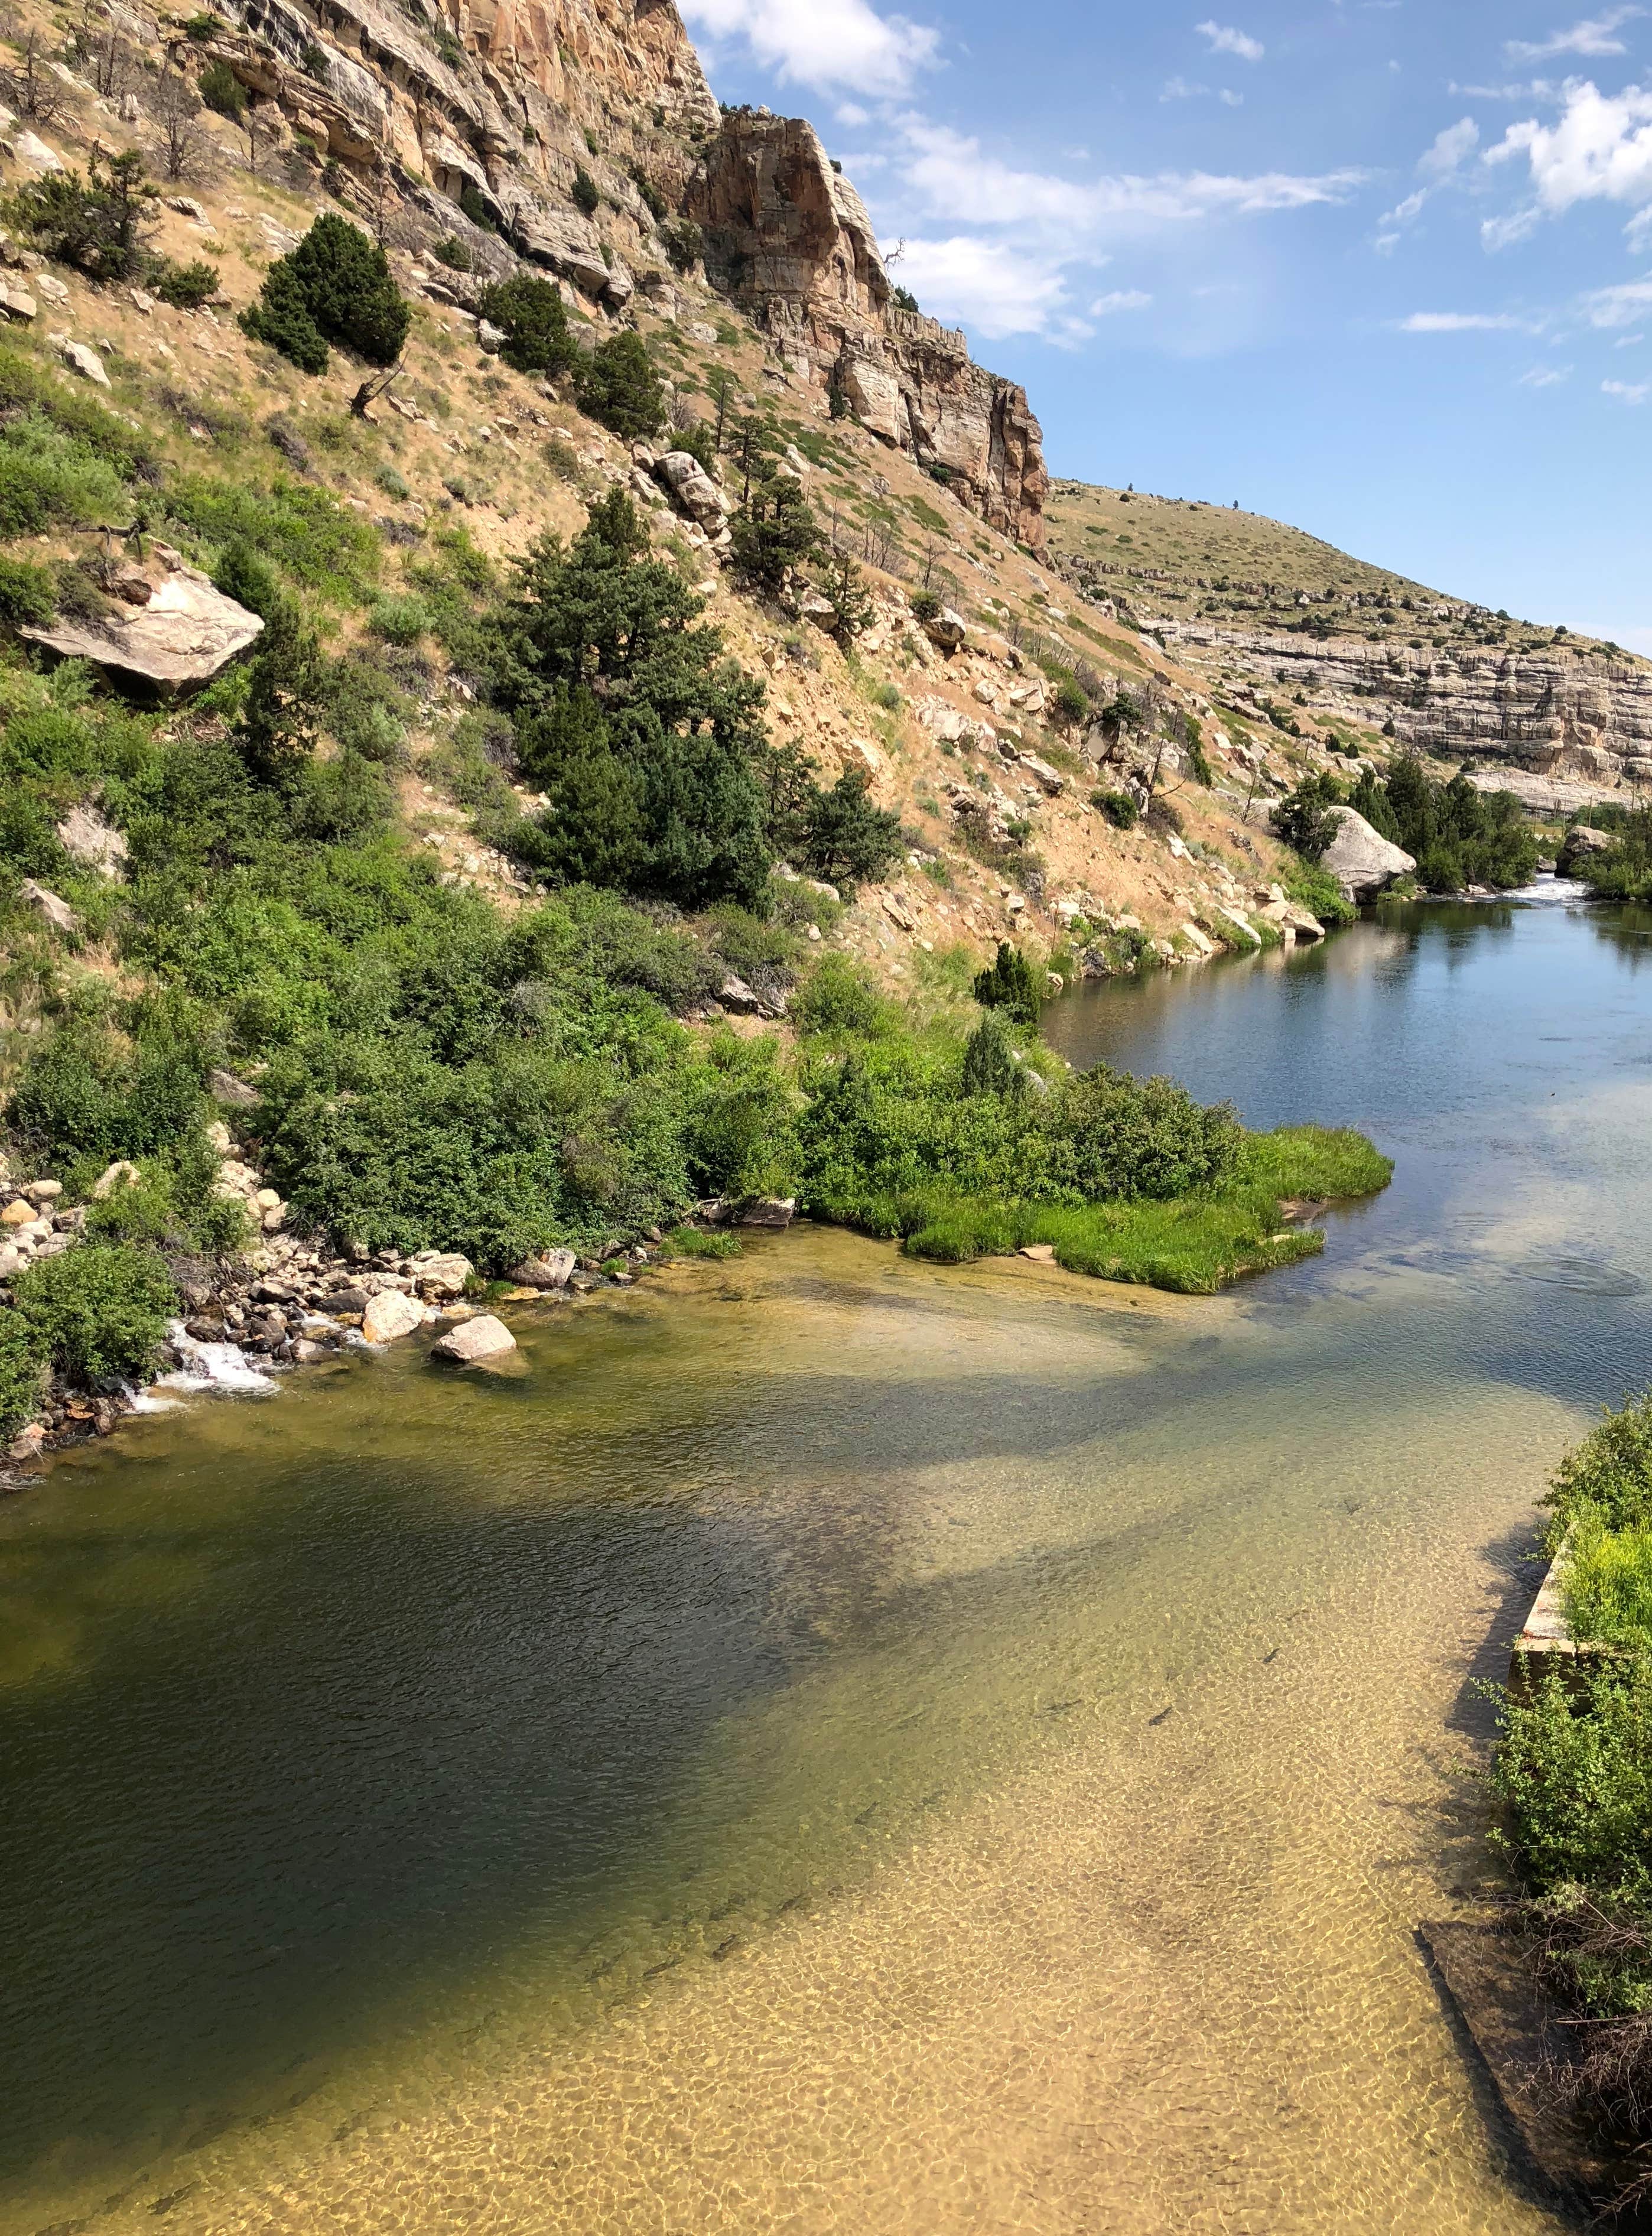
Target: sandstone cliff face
<point>496,101</point>
<point>789,240</point>
<point>1553,716</point>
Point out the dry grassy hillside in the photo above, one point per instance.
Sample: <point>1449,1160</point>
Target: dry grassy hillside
<point>1159,556</point>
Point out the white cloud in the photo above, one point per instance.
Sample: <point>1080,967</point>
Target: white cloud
<point>986,285</point>
<point>1599,150</point>
<point>1629,341</point>
<point>1386,243</point>
<point>1179,89</point>
<point>1229,99</point>
<point>853,115</point>
<point>821,42</point>
<point>1596,35</point>
<point>1121,299</point>
<point>1623,305</point>
<point>1226,41</point>
<point>1626,392</point>
<point>1546,376</point>
<point>1402,212</point>
<point>1451,150</point>
<point>1466,322</point>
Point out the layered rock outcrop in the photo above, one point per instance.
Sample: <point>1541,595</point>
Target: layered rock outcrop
<point>789,239</point>
<point>1549,714</point>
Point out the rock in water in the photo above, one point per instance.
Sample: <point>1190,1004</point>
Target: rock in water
<point>1360,859</point>
<point>389,1314</point>
<point>475,1340</point>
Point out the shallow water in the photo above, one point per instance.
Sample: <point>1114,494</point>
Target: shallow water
<point>835,1743</point>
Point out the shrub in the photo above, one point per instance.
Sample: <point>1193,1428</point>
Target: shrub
<point>1146,1137</point>
<point>222,91</point>
<point>926,606</point>
<point>1072,703</point>
<point>185,286</point>
<point>838,1001</point>
<point>683,242</point>
<point>28,593</point>
<point>583,193</point>
<point>477,206</point>
<point>841,836</point>
<point>334,286</point>
<point>1608,1476</point>
<point>1008,983</point>
<point>532,317</point>
<point>453,252</point>
<point>1318,892</point>
<point>97,223</point>
<point>1119,807</point>
<point>1608,1583</point>
<point>98,1312</point>
<point>398,621</point>
<point>617,385</point>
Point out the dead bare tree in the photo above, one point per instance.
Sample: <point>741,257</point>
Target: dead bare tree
<point>27,86</point>
<point>372,389</point>
<point>182,146</point>
<point>252,130</point>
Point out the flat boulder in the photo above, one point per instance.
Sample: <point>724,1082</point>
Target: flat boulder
<point>947,629</point>
<point>1360,859</point>
<point>553,1270</point>
<point>768,1211</point>
<point>186,634</point>
<point>389,1315</point>
<point>474,1340</point>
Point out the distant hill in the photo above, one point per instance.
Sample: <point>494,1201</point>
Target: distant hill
<point>1172,557</point>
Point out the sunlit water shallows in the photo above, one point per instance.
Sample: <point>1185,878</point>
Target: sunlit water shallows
<point>839,1744</point>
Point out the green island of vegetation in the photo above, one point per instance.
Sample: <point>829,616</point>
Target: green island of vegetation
<point>1574,1773</point>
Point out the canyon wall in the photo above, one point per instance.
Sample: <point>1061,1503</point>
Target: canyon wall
<point>1554,716</point>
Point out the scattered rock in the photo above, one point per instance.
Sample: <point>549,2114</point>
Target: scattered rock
<point>389,1314</point>
<point>27,1444</point>
<point>97,844</point>
<point>43,1191</point>
<point>18,303</point>
<point>57,912</point>
<point>552,1271</point>
<point>766,1211</point>
<point>443,1274</point>
<point>18,1212</point>
<point>186,634</point>
<point>948,630</point>
<point>81,357</point>
<point>234,1094</point>
<point>34,153</point>
<point>474,1340</point>
<point>49,285</point>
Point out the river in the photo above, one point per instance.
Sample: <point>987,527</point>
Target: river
<point>833,1743</point>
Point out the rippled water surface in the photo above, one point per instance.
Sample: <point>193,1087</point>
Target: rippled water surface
<point>832,1743</point>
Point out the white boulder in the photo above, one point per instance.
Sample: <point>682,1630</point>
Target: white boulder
<point>1360,859</point>
<point>475,1340</point>
<point>391,1314</point>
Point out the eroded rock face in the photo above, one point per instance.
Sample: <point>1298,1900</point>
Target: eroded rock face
<point>790,240</point>
<point>1548,715</point>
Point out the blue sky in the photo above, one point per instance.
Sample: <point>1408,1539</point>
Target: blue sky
<point>1382,269</point>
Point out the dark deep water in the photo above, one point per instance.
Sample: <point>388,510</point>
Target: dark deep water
<point>407,1779</point>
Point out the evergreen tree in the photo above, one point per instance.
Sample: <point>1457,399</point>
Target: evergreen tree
<point>532,317</point>
<point>276,734</point>
<point>1008,984</point>
<point>618,386</point>
<point>334,286</point>
<point>843,836</point>
<point>774,532</point>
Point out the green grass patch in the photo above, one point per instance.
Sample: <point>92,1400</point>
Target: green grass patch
<point>695,1242</point>
<point>1607,1585</point>
<point>1195,1243</point>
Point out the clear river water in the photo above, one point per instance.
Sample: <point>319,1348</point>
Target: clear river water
<point>833,1743</point>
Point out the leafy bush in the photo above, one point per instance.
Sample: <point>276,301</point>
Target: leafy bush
<point>334,286</point>
<point>1119,807</point>
<point>453,252</point>
<point>222,91</point>
<point>304,529</point>
<point>185,286</point>
<point>398,621</point>
<point>1607,1478</point>
<point>1318,892</point>
<point>584,193</point>
<point>618,385</point>
<point>1146,1137</point>
<point>1072,703</point>
<point>683,242</point>
<point>1303,818</point>
<point>28,593</point>
<point>1608,1583</point>
<point>98,1312</point>
<point>926,606</point>
<point>532,317</point>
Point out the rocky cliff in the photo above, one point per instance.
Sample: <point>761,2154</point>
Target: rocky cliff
<point>1587,720</point>
<point>789,239</point>
<point>484,116</point>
